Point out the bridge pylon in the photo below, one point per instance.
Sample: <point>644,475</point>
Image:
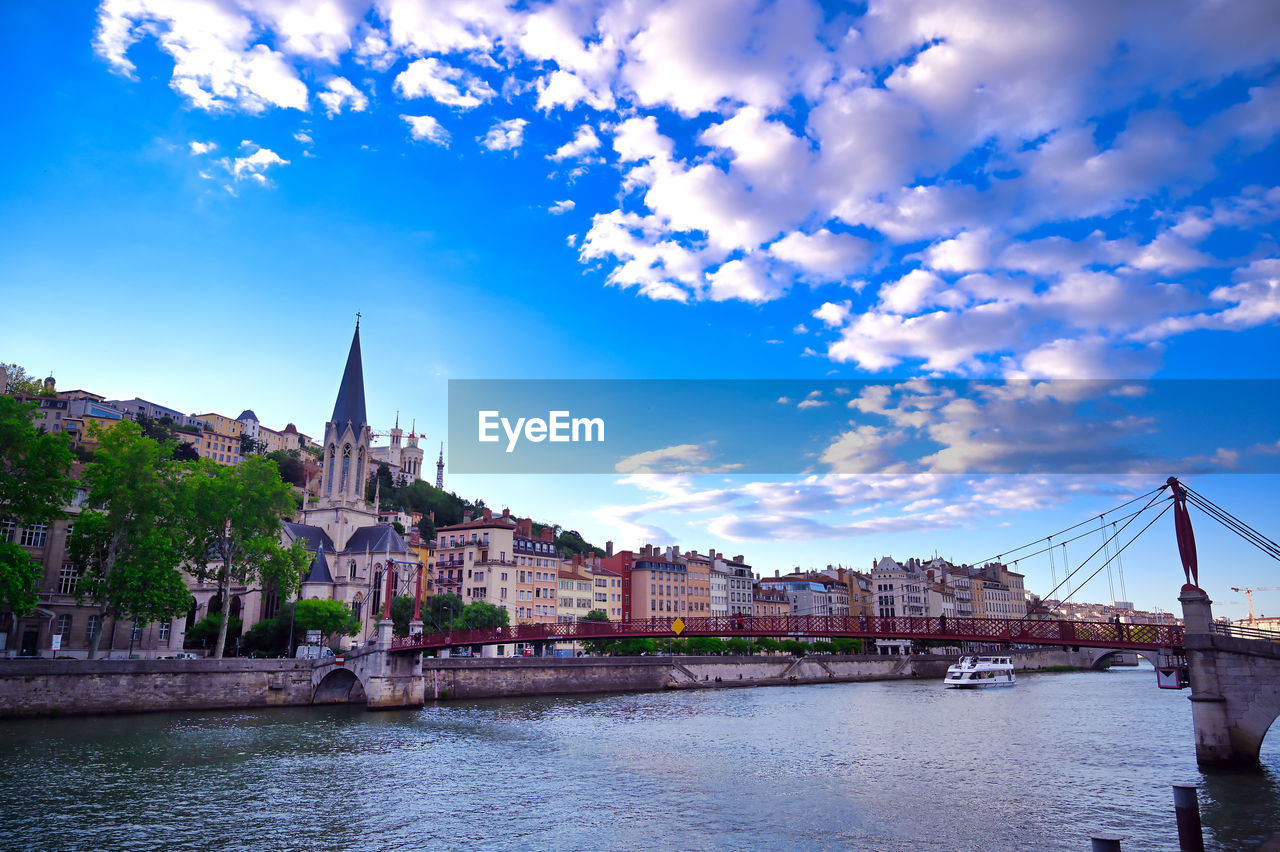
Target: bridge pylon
<point>1235,686</point>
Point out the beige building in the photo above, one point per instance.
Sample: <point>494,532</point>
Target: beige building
<point>608,591</point>
<point>699,574</point>
<point>659,585</point>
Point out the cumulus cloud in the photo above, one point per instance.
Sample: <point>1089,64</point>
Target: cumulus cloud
<point>427,128</point>
<point>432,78</point>
<point>1024,189</point>
<point>340,92</point>
<point>561,207</point>
<point>505,135</point>
<point>584,141</point>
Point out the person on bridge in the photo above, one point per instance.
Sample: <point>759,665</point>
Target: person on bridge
<point>942,623</point>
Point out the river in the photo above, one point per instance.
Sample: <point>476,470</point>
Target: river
<point>870,766</point>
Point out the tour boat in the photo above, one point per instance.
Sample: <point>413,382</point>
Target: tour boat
<point>980,672</point>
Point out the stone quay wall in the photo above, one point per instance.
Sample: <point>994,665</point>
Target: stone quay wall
<point>79,687</point>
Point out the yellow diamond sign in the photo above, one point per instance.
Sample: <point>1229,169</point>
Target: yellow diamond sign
<point>677,626</point>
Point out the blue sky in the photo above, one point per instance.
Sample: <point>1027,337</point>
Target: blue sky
<point>200,196</point>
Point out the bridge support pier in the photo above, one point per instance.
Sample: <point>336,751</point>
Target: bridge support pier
<point>392,681</point>
<point>1235,687</point>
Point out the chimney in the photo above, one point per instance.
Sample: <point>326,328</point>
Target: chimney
<point>738,558</point>
<point>466,516</point>
<point>608,548</point>
<point>548,534</point>
<point>777,573</point>
<point>488,514</point>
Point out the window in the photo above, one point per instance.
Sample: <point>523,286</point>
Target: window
<point>34,535</point>
<point>64,627</point>
<point>67,577</point>
<point>92,628</point>
<point>162,632</point>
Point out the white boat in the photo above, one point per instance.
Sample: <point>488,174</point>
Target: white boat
<point>981,672</point>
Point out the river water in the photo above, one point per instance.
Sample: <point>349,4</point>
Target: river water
<point>875,766</point>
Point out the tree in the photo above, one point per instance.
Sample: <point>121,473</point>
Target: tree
<point>232,523</point>
<point>270,637</point>
<point>251,446</point>
<point>328,616</point>
<point>35,485</point>
<point>20,383</point>
<point>206,630</point>
<point>292,470</point>
<point>482,615</point>
<point>596,615</point>
<point>401,614</point>
<point>427,528</point>
<point>157,430</point>
<point>441,612</point>
<point>382,483</point>
<point>184,452</point>
<point>127,546</point>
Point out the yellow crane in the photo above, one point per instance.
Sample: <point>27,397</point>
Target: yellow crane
<point>1248,593</point>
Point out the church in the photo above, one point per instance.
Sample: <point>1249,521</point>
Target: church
<point>351,550</point>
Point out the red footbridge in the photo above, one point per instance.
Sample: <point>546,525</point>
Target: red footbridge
<point>1013,631</point>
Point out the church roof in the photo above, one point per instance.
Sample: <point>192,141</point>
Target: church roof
<point>313,537</point>
<point>319,569</point>
<point>350,403</point>
<point>248,414</point>
<point>381,539</point>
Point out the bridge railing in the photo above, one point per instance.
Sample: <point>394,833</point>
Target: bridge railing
<point>1235,631</point>
<point>1000,630</point>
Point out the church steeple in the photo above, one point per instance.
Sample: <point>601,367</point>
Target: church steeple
<point>350,404</point>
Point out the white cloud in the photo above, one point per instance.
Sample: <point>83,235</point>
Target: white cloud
<point>426,127</point>
<point>429,77</point>
<point>823,255</point>
<point>584,141</point>
<point>303,136</point>
<point>745,280</point>
<point>566,90</point>
<point>256,164</point>
<point>505,135</point>
<point>216,66</point>
<point>833,314</point>
<point>561,207</point>
<point>203,147</point>
<point>340,92</point>
<point>684,458</point>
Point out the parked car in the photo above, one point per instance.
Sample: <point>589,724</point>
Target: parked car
<point>182,655</point>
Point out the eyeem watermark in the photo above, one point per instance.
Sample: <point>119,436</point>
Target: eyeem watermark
<point>560,427</point>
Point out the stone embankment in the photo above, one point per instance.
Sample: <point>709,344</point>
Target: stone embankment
<point>80,687</point>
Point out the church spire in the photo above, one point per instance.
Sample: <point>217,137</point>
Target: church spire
<point>350,403</point>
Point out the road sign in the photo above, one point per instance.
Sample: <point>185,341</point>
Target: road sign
<point>56,644</point>
<point>677,626</point>
<point>313,636</point>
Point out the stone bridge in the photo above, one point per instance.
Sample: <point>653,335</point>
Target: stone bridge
<point>1235,684</point>
<point>382,680</point>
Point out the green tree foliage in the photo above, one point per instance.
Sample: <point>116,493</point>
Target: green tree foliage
<point>21,383</point>
<point>270,637</point>
<point>738,645</point>
<point>481,616</point>
<point>381,483</point>
<point>35,485</point>
<point>570,541</point>
<point>427,528</point>
<point>401,614</point>
<point>596,615</point>
<point>292,469</point>
<point>232,524</point>
<point>184,452</point>
<point>440,610</point>
<point>706,645</point>
<point>251,446</point>
<point>127,545</point>
<point>846,646</point>
<point>327,616</point>
<point>795,647</point>
<point>160,430</point>
<point>205,632</point>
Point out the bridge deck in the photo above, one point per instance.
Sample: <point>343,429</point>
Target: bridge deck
<point>1089,634</point>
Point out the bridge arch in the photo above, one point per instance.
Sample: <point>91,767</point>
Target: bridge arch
<point>339,686</point>
<point>1102,660</point>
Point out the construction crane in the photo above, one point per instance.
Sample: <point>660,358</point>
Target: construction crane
<point>1248,593</point>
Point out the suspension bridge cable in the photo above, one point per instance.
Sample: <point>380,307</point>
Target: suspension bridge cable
<point>1124,592</point>
<point>1111,583</point>
<point>1116,534</point>
<point>1200,497</point>
<point>1121,550</point>
<point>1088,520</point>
<point>1234,524</point>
